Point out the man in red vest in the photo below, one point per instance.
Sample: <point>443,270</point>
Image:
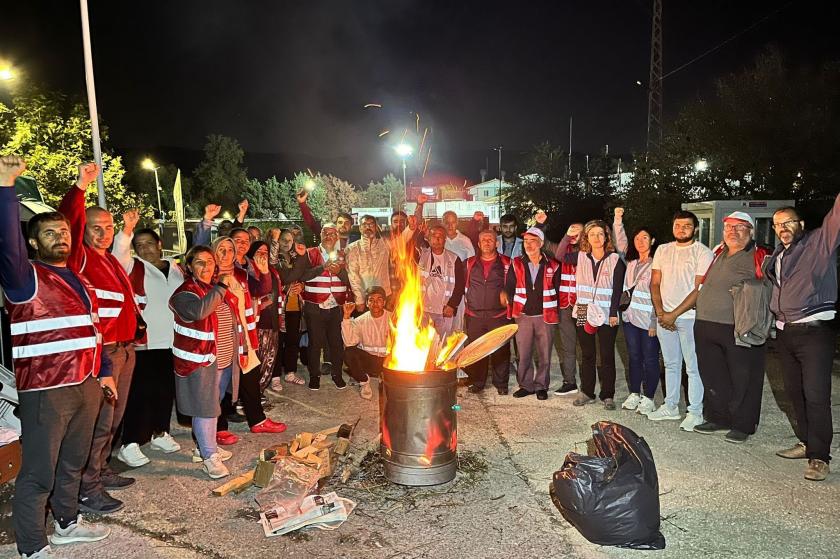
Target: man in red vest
<point>118,317</point>
<point>57,354</point>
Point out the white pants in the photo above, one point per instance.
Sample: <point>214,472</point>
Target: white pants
<point>676,347</point>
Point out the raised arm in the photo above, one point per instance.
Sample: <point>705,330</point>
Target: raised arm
<point>122,240</point>
<point>310,220</point>
<point>201,235</point>
<point>16,274</point>
<point>619,233</point>
<point>73,208</point>
<point>829,233</point>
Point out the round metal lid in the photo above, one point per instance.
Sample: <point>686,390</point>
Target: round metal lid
<point>482,347</point>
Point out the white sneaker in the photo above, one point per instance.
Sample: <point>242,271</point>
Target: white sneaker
<point>632,402</point>
<point>276,385</point>
<point>131,455</point>
<point>224,455</point>
<point>691,421</point>
<point>43,553</point>
<point>79,531</point>
<point>214,467</point>
<point>165,443</point>
<point>645,406</point>
<point>366,392</point>
<point>664,412</point>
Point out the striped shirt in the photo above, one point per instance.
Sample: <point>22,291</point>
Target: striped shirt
<point>224,341</point>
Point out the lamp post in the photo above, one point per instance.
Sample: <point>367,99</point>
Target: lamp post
<point>701,165</point>
<point>404,151</point>
<point>149,165</point>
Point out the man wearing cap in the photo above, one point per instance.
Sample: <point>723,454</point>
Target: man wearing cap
<point>531,294</point>
<point>732,374</point>
<point>804,276</point>
<point>366,338</point>
<point>676,272</point>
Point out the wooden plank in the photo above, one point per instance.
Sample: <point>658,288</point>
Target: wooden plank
<point>341,446</point>
<point>263,473</point>
<point>239,482</point>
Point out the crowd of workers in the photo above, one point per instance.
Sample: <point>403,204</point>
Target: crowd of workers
<point>106,341</point>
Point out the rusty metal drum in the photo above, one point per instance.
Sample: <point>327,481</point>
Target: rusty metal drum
<point>419,426</point>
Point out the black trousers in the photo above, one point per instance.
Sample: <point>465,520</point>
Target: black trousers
<point>360,363</point>
<point>324,327</point>
<point>807,355</point>
<point>733,377</point>
<point>287,353</point>
<point>249,395</point>
<point>57,427</point>
<point>499,360</point>
<point>588,359</point>
<point>149,407</point>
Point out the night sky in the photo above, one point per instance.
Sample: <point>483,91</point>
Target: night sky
<point>291,78</point>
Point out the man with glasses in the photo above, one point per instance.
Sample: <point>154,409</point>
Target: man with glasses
<point>677,271</point>
<point>804,275</point>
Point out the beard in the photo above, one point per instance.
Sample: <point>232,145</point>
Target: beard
<point>56,254</point>
<point>683,238</point>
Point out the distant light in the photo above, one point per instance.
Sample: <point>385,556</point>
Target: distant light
<point>701,165</point>
<point>309,185</point>
<point>149,165</point>
<point>6,74</point>
<point>799,175</point>
<point>403,150</point>
<point>638,82</point>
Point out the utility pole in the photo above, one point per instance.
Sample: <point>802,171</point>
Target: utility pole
<point>91,95</point>
<point>654,124</point>
<point>570,148</point>
<point>499,149</point>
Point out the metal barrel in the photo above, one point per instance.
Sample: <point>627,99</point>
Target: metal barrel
<point>419,427</point>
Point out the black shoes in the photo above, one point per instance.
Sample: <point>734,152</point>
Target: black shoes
<point>339,382</point>
<point>113,481</point>
<point>100,504</point>
<point>521,393</point>
<point>475,389</point>
<point>542,395</point>
<point>735,436</point>
<point>567,389</point>
<point>314,382</point>
<point>708,428</point>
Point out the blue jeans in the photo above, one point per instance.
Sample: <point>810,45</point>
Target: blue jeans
<point>643,354</point>
<point>676,347</point>
<point>204,428</point>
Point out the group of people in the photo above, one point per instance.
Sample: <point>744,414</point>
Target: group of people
<point>213,331</point>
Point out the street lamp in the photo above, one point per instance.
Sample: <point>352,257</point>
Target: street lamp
<point>7,74</point>
<point>404,151</point>
<point>149,165</point>
<point>701,165</point>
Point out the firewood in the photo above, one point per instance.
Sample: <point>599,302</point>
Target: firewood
<point>263,473</point>
<point>341,446</point>
<point>305,439</point>
<point>240,482</point>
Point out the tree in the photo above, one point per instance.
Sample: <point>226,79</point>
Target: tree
<point>142,181</point>
<point>269,199</point>
<point>388,193</point>
<point>52,133</point>
<point>221,176</point>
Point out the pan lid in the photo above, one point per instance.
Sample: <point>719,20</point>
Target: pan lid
<point>482,347</point>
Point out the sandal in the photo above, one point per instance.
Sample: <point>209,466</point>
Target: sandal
<point>294,379</point>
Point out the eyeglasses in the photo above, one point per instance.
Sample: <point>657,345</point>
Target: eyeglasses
<point>785,224</point>
<point>739,227</point>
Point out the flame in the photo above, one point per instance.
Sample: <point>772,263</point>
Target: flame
<point>439,433</point>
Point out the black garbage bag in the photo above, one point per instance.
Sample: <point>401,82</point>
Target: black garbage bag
<point>612,498</point>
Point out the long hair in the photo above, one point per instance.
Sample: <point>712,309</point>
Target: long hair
<point>632,253</point>
<point>583,243</point>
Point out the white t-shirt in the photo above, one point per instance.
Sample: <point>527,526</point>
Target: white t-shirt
<point>460,245</point>
<point>679,266</point>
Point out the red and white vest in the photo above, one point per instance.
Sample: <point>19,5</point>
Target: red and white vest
<point>55,340</point>
<point>318,289</point>
<point>550,268</point>
<point>138,283</point>
<point>116,297</point>
<point>600,291</point>
<point>194,344</point>
<point>250,308</point>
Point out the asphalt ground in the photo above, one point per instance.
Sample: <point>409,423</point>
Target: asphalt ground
<point>717,499</point>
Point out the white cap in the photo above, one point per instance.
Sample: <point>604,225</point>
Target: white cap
<point>535,232</point>
<point>740,216</point>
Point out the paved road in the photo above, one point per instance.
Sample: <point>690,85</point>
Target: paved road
<point>717,499</point>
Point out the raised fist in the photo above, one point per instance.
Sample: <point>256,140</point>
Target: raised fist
<point>300,249</point>
<point>540,217</point>
<point>478,216</point>
<point>302,196</point>
<point>618,214</point>
<point>422,198</point>
<point>261,262</point>
<point>574,230</point>
<point>130,220</point>
<point>11,166</point>
<point>274,234</point>
<point>211,211</point>
<point>348,309</point>
<point>243,206</point>
<point>87,174</point>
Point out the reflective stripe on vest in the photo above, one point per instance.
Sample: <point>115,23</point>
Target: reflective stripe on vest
<point>109,295</point>
<point>194,357</point>
<point>45,324</point>
<point>375,349</point>
<point>193,333</point>
<point>50,348</point>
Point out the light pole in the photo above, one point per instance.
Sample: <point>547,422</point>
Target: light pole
<point>149,165</point>
<point>404,151</point>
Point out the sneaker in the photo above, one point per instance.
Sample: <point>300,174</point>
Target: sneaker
<point>214,468</point>
<point>817,470</point>
<point>365,391</point>
<point>314,382</point>
<point>646,405</point>
<point>326,368</point>
<point>795,452</point>
<point>113,481</point>
<point>582,399</point>
<point>691,421</point>
<point>735,436</point>
<point>79,531</point>
<point>43,553</point>
<point>132,456</point>
<point>542,394</point>
<point>240,409</point>
<point>226,438</point>
<point>567,389</point>
<point>268,426</point>
<point>276,385</point>
<point>100,504</point>
<point>609,404</point>
<point>708,428</point>
<point>664,412</point>
<point>475,389</point>
<point>224,455</point>
<point>165,443</point>
<point>339,382</point>
<point>632,402</point>
<point>521,393</point>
